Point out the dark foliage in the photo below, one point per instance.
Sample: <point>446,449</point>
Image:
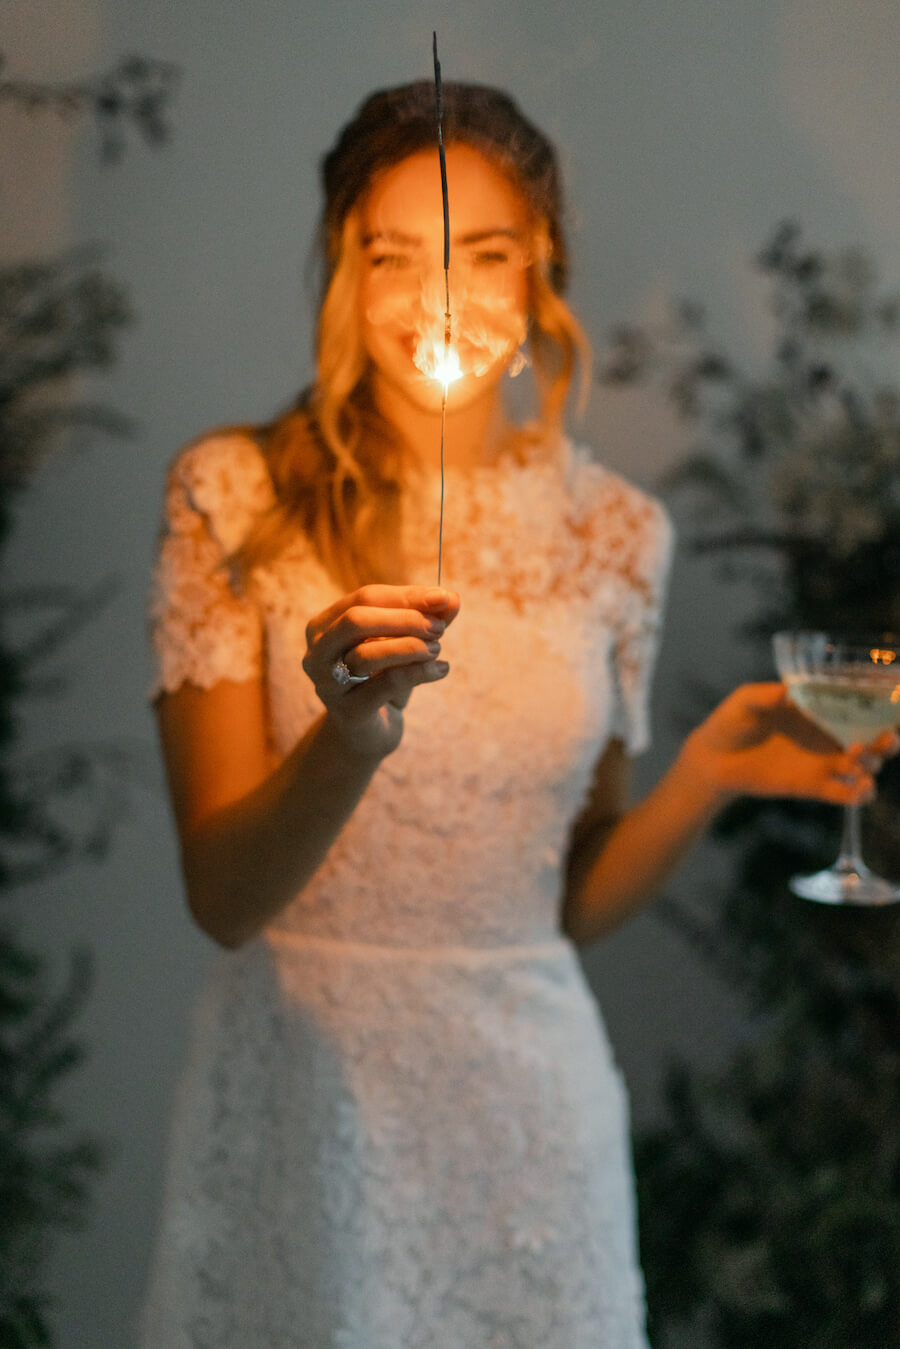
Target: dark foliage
<point>59,319</point>
<point>136,93</point>
<point>770,1195</point>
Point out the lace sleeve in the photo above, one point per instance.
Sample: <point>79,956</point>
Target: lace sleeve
<point>203,628</point>
<point>639,623</point>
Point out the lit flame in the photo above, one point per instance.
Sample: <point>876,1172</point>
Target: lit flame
<point>477,348</point>
<point>437,360</point>
<point>881,657</point>
<point>486,328</point>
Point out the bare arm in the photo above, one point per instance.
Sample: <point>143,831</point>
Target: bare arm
<point>619,859</point>
<point>754,743</point>
<point>253,831</point>
<point>251,834</point>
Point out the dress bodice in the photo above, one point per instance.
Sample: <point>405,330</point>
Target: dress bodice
<point>461,836</point>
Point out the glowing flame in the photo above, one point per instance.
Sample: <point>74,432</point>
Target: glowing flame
<point>437,361</point>
<point>485,329</point>
<point>477,347</point>
<point>448,368</point>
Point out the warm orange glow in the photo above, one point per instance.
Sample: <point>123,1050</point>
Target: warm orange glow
<point>437,361</point>
<point>882,657</point>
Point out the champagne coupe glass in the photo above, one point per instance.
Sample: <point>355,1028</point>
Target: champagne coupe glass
<point>850,687</point>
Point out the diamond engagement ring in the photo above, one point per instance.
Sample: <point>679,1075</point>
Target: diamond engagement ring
<point>342,676</point>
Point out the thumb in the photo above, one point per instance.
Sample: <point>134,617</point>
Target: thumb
<point>764,696</point>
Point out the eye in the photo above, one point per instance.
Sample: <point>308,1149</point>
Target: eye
<point>391,262</point>
<point>490,258</point>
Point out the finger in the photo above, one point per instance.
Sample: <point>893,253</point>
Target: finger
<point>837,789</point>
<point>858,791</point>
<point>373,658</point>
<point>427,599</point>
<point>763,695</point>
<point>393,686</point>
<point>768,707</point>
<point>885,745</point>
<point>775,701</point>
<point>873,754</point>
<point>848,781</point>
<point>431,600</point>
<point>792,721</point>
<point>360,625</point>
<point>446,603</point>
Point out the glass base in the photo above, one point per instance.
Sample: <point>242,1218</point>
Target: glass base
<point>846,884</point>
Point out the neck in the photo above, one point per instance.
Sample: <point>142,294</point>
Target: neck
<point>473,434</point>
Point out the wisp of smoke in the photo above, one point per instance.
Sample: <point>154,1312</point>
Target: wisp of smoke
<point>487,326</point>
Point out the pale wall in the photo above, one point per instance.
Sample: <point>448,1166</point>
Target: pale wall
<point>687,130</point>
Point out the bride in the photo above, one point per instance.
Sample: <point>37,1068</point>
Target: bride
<point>401,1124</point>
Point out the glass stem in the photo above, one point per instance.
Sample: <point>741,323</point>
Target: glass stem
<point>849,858</point>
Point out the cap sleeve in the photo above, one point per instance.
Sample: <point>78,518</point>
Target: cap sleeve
<point>203,628</point>
<point>639,622</point>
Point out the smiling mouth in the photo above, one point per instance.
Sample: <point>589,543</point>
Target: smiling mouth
<point>411,346</point>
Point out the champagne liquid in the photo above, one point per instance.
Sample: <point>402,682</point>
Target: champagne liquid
<point>854,708</point>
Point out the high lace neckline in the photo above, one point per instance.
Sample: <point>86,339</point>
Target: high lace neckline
<point>526,448</point>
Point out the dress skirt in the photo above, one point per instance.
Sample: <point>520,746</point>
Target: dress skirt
<point>396,1148</point>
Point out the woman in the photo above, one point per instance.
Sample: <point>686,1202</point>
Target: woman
<point>401,1125</point>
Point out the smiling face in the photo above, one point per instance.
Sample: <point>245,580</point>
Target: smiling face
<point>402,294</point>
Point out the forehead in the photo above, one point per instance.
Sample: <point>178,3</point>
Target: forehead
<point>407,197</point>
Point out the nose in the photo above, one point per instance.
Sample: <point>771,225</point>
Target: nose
<point>431,282</point>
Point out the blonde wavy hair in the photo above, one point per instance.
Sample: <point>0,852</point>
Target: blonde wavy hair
<point>339,469</point>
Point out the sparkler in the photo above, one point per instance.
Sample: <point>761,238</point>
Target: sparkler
<point>488,321</point>
<point>445,372</point>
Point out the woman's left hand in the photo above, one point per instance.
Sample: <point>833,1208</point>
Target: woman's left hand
<point>757,743</point>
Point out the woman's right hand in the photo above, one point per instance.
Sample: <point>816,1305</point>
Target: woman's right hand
<point>392,634</point>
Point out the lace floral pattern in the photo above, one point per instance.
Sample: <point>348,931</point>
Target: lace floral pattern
<point>563,531</point>
<point>203,629</point>
<point>401,1125</point>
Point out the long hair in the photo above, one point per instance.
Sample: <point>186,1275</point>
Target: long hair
<point>337,466</point>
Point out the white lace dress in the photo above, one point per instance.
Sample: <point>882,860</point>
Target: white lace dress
<point>401,1125</point>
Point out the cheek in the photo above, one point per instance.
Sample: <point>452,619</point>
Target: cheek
<point>388,341</point>
<point>489,326</point>
<point>383,304</point>
<point>492,302</point>
<point>379,322</point>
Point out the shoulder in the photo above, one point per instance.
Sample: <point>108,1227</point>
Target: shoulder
<point>624,515</point>
<point>222,476</point>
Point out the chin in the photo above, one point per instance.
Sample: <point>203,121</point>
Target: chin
<point>427,395</point>
<point>461,395</point>
<point>469,390</point>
